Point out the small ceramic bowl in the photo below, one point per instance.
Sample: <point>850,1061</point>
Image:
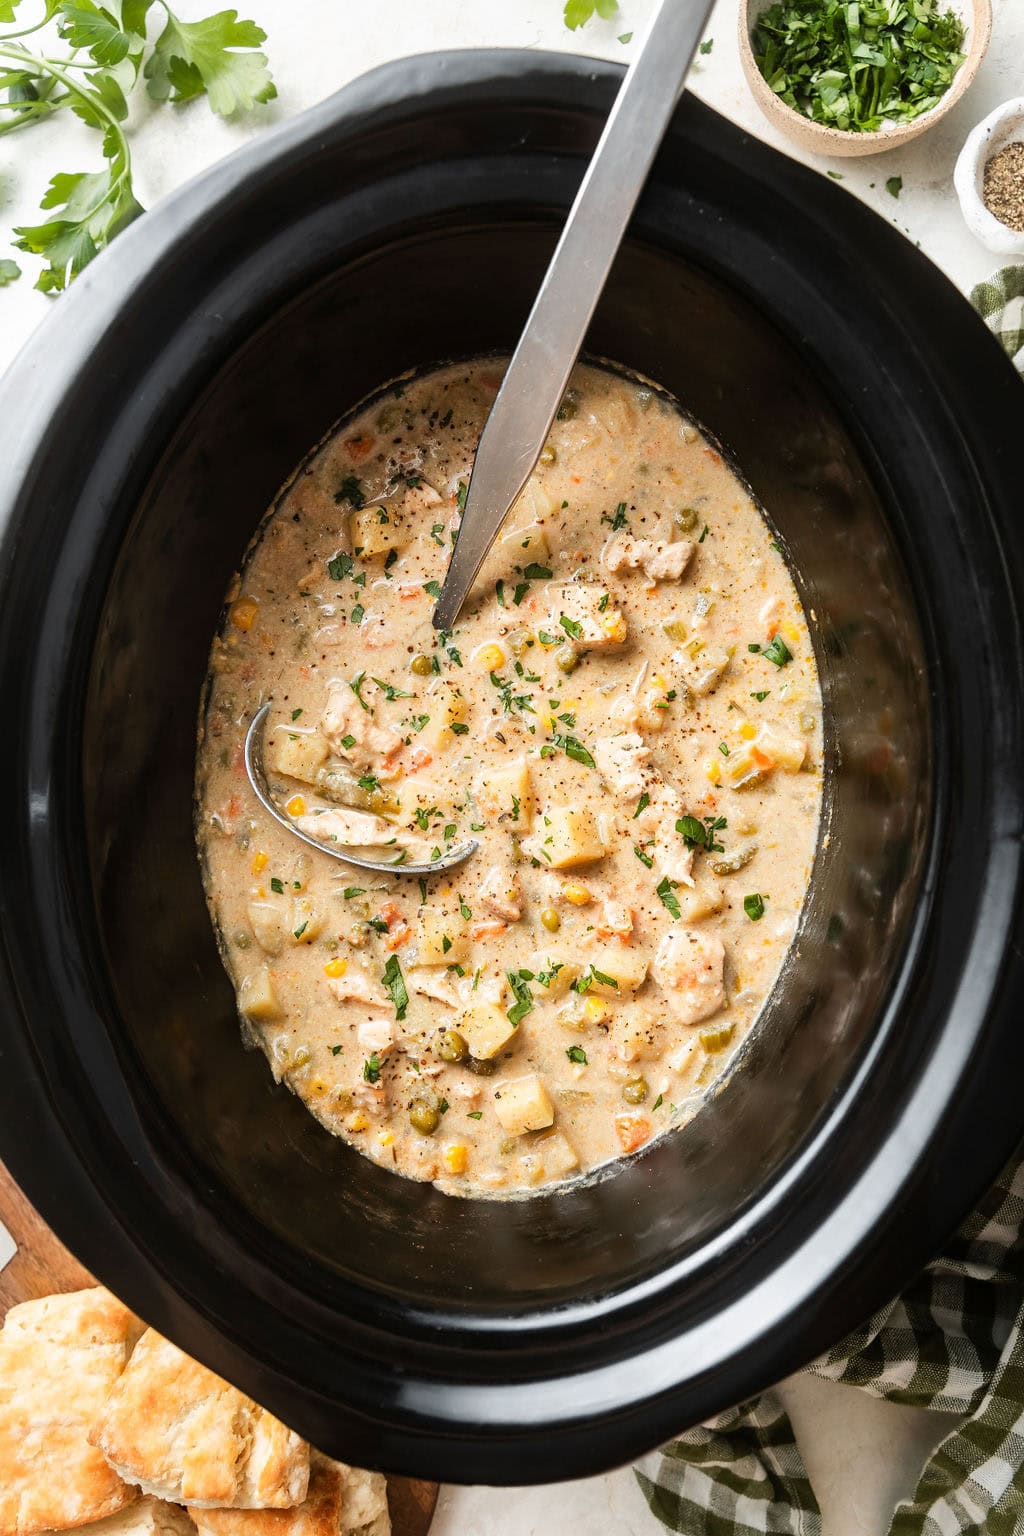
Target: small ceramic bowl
<point>817,138</point>
<point>1000,128</point>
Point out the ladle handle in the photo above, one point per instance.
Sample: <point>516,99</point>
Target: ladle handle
<point>532,390</point>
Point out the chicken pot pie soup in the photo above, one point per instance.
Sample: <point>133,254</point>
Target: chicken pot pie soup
<point>627,719</point>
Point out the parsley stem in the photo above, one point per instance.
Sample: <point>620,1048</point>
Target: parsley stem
<point>59,72</point>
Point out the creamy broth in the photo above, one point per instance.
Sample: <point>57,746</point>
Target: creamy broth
<point>626,718</point>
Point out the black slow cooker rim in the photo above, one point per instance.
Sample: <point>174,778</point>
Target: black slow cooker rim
<point>592,1418</point>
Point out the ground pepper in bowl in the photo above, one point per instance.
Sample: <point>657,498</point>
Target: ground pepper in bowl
<point>1003,186</point>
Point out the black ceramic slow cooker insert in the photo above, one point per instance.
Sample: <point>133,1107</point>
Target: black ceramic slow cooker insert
<point>406,221</point>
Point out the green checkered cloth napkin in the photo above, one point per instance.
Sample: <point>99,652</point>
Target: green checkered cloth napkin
<point>953,1341</point>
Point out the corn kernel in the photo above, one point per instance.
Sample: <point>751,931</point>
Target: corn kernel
<point>791,634</point>
<point>260,861</point>
<point>385,1138</point>
<point>336,967</point>
<point>296,806</point>
<point>578,895</point>
<point>490,657</point>
<point>261,892</point>
<point>318,1085</point>
<point>748,731</point>
<point>713,772</point>
<point>244,612</point>
<point>660,682</point>
<point>596,1010</point>
<point>358,1120</point>
<point>551,920</point>
<point>614,626</point>
<point>456,1157</point>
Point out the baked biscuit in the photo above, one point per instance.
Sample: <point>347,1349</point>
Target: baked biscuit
<point>59,1358</point>
<point>145,1517</point>
<point>340,1502</point>
<point>183,1434</point>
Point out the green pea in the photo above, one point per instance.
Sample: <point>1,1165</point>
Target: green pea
<point>451,1046</point>
<point>568,660</point>
<point>635,1091</point>
<point>422,666</point>
<point>424,1117</point>
<point>481,1068</point>
<point>548,454</point>
<point>685,518</point>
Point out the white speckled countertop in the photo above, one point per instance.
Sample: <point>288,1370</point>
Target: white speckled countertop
<point>862,1454</point>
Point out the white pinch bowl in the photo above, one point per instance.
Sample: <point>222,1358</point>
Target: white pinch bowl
<point>1000,128</point>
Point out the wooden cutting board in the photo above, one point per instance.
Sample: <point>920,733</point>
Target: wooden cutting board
<point>42,1266</point>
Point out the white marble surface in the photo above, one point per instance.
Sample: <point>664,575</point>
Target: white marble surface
<point>862,1455</point>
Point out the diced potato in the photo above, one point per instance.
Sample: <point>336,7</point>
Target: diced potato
<point>298,754</point>
<point>267,921</point>
<point>257,996</point>
<point>788,752</point>
<point>524,1105</point>
<point>557,1156</point>
<point>424,793</point>
<point>699,667</point>
<point>506,794</point>
<point>307,924</point>
<point>446,707</point>
<point>636,1034</point>
<point>534,502</point>
<point>703,901</point>
<point>566,837</point>
<point>377,530</point>
<point>565,969</point>
<point>441,937</point>
<point>525,545</point>
<point>487,1030</point>
<point>625,966</point>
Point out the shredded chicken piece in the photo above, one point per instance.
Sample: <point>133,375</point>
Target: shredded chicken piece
<point>356,829</point>
<point>500,894</point>
<point>690,966</point>
<point>661,560</point>
<point>345,720</point>
<point>430,982</point>
<point>622,761</point>
<point>376,1035</point>
<point>357,986</point>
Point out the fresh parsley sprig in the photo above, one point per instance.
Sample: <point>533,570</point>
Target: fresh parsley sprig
<point>218,57</point>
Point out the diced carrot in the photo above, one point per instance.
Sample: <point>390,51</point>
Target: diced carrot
<point>409,591</point>
<point>359,448</point>
<point>716,458</point>
<point>632,1131</point>
<point>234,807</point>
<point>487,930</point>
<point>398,936</point>
<point>762,759</point>
<point>420,757</point>
<point>391,914</point>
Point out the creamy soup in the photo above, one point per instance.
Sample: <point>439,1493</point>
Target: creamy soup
<point>626,719</point>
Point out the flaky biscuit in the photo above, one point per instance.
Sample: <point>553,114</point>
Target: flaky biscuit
<point>183,1434</point>
<point>59,1358</point>
<point>341,1500</point>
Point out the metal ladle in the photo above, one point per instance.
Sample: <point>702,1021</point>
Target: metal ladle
<point>525,406</point>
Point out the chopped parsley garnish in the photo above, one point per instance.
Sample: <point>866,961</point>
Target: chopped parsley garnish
<point>464,910</point>
<point>339,567</point>
<point>499,592</point>
<point>698,835</point>
<point>642,804</point>
<point>437,534</point>
<point>549,640</point>
<point>369,782</point>
<point>659,1101</point>
<point>301,930</point>
<point>706,46</point>
<point>277,886</point>
<point>475,1114</point>
<point>394,982</point>
<point>852,67</point>
<point>666,894</point>
<point>392,556</point>
<point>460,728</point>
<point>522,587</point>
<point>336,1050</point>
<point>296,713</point>
<point>619,520</point>
<point>371,1069</point>
<point>753,906</point>
<point>535,572</point>
<point>390,691</point>
<point>358,613</point>
<point>461,494</point>
<point>356,685</point>
<point>520,984</point>
<point>703,534</point>
<point>353,890</point>
<point>578,1055</point>
<point>591,974</point>
<point>432,588</point>
<point>723,747</point>
<point>348,742</point>
<point>894,186</point>
<point>351,490</point>
<point>571,747</point>
<point>572,628</point>
<point>778,652</point>
<point>761,695</point>
<point>644,858</point>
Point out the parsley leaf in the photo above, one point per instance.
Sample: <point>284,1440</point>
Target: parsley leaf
<point>753,906</point>
<point>578,12</point>
<point>894,186</point>
<point>390,691</point>
<point>706,46</point>
<point>778,652</point>
<point>9,271</point>
<point>666,894</point>
<point>642,804</point>
<point>394,981</point>
<point>351,490</point>
<point>523,996</point>
<point>371,1069</point>
<point>193,58</point>
<point>577,1054</point>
